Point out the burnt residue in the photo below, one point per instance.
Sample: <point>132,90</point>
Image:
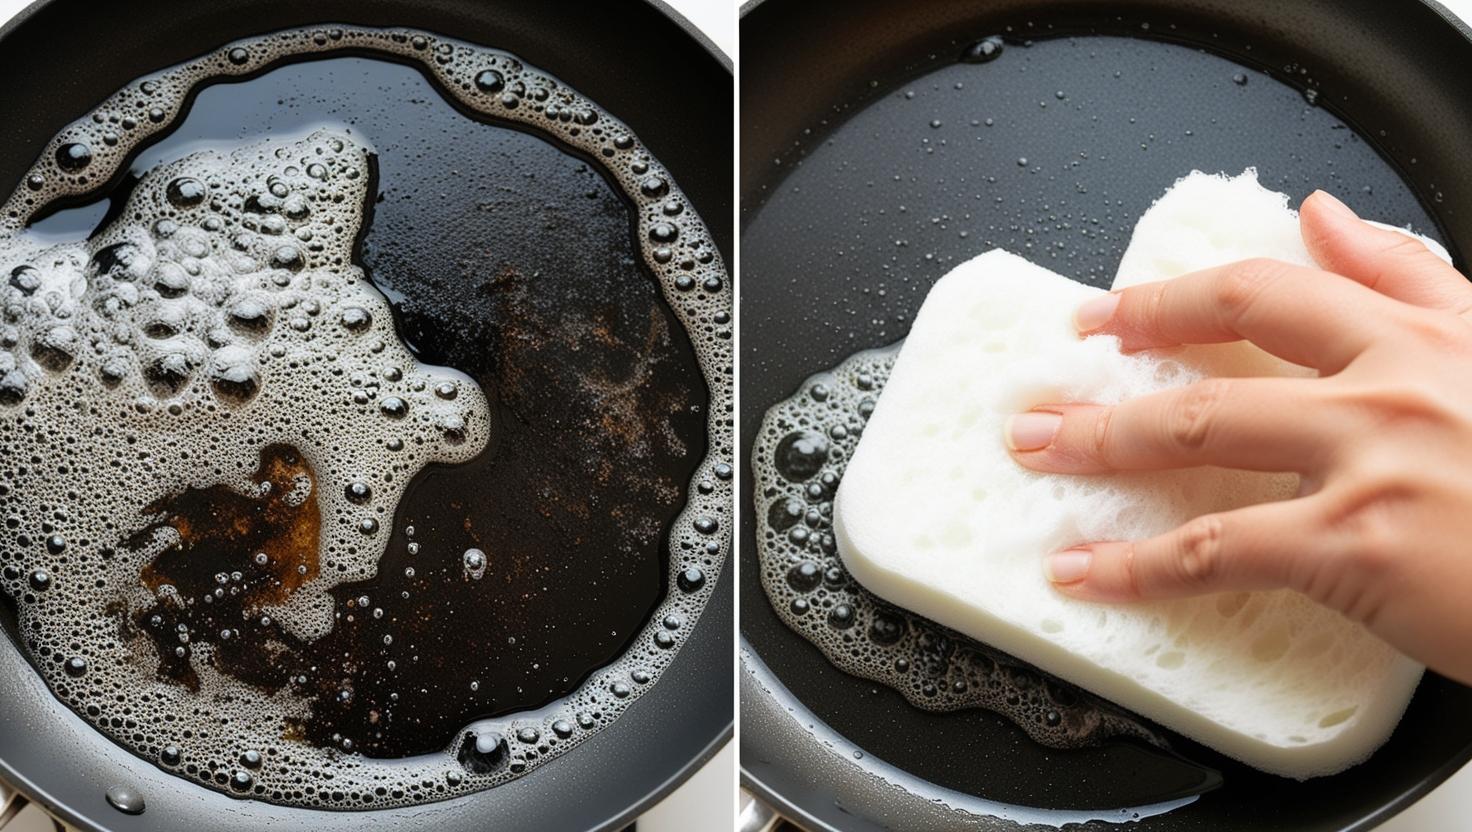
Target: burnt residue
<point>598,408</point>
<point>513,261</point>
<point>234,556</point>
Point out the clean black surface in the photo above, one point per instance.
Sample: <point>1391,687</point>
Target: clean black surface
<point>863,164</point>
<point>628,56</point>
<point>652,72</point>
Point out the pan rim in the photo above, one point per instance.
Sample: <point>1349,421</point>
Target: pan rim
<point>26,785</point>
<point>791,810</point>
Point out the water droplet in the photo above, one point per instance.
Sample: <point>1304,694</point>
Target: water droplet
<point>474,561</point>
<point>983,51</point>
<point>126,800</point>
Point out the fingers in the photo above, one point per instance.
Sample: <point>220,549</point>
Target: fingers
<point>1309,317</point>
<point>1393,264</point>
<point>1232,423</point>
<point>1247,549</point>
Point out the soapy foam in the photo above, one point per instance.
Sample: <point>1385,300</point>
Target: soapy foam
<point>799,459</point>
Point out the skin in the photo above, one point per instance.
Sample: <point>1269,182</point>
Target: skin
<point>1381,529</point>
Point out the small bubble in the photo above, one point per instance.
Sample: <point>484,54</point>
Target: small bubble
<point>983,51</point>
<point>474,561</point>
<point>186,192</point>
<point>691,579</point>
<point>355,319</point>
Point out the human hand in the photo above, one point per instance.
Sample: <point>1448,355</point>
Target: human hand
<point>1381,529</point>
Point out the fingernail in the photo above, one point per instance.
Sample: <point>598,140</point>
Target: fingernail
<point>1335,207</point>
<point>1032,431</point>
<point>1095,313</point>
<point>1068,566</point>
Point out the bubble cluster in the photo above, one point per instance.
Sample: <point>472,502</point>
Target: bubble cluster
<point>798,459</point>
<point>216,343</point>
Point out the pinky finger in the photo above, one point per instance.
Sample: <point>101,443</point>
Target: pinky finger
<point>1245,549</point>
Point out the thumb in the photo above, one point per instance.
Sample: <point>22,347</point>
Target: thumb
<point>1394,264</point>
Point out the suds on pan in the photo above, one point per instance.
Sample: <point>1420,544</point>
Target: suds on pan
<point>215,354</point>
<point>801,451</point>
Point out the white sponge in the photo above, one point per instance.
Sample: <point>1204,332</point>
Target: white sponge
<point>934,515</point>
<point>1207,220</point>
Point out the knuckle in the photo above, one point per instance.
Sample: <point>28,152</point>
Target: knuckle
<point>1102,436</point>
<point>1393,404</point>
<point>1367,517</point>
<point>1244,282</point>
<point>1143,307</point>
<point>1441,332</point>
<point>1200,557</point>
<point>1405,249</point>
<point>1190,417</point>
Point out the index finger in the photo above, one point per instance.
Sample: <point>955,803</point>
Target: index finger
<point>1306,316</point>
<point>1393,263</point>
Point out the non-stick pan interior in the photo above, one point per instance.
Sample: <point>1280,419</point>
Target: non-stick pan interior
<point>875,161</point>
<point>61,59</point>
<point>633,58</point>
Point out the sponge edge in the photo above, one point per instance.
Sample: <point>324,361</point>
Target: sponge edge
<point>1207,220</point>
<point>934,515</point>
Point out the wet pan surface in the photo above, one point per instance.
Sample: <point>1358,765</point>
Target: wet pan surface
<point>894,162</point>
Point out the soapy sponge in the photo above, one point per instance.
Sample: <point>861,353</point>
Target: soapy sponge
<point>935,516</point>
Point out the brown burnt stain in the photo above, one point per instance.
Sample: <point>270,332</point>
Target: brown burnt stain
<point>216,525</point>
<point>598,421</point>
<point>211,588</point>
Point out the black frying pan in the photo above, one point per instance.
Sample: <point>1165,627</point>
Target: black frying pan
<point>862,164</point>
<point>641,62</point>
